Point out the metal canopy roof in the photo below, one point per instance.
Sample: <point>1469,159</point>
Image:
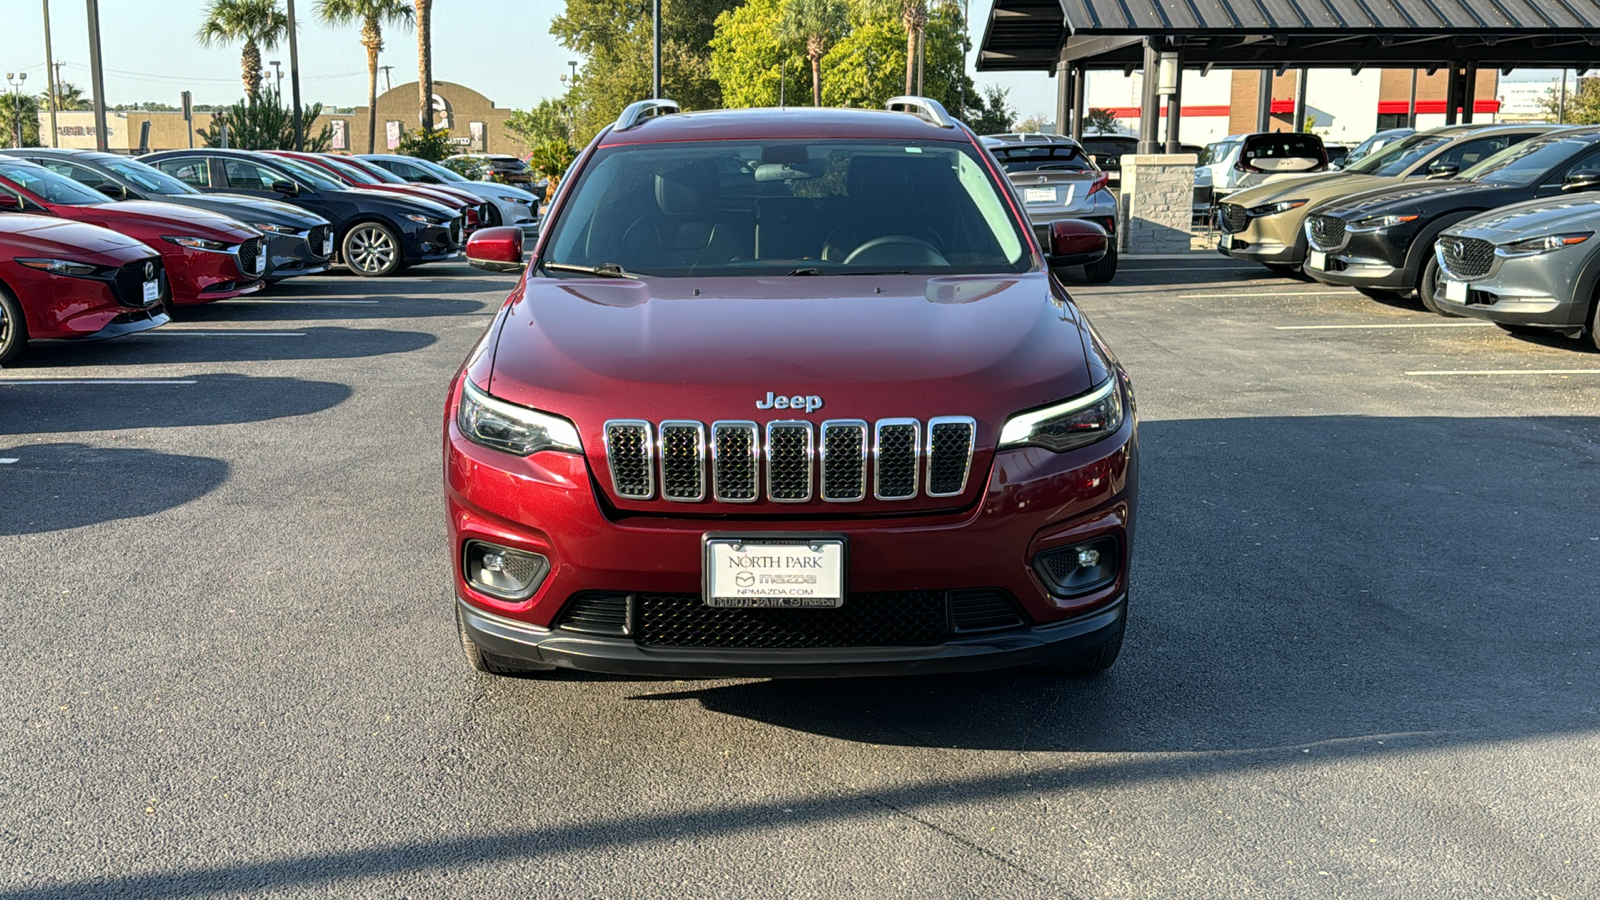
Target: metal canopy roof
<point>1037,34</point>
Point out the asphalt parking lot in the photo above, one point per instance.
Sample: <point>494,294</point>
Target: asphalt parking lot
<point>1362,658</point>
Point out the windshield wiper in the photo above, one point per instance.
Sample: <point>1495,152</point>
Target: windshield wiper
<point>604,270</point>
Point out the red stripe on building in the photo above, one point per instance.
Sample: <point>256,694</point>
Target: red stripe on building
<point>1132,112</point>
<point>1433,107</point>
<point>1286,108</point>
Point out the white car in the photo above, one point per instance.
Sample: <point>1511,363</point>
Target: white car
<point>507,205</point>
<point>1241,161</point>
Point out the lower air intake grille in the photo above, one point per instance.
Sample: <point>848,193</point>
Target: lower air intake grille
<point>597,613</point>
<point>251,262</point>
<point>317,238</point>
<point>983,610</point>
<point>1232,218</point>
<point>892,619</point>
<point>897,441</point>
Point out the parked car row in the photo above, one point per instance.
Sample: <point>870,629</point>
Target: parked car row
<point>1484,221</point>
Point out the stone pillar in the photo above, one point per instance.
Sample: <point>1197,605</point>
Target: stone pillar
<point>1157,202</point>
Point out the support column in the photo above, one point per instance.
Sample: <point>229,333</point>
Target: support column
<point>1264,101</point>
<point>1300,99</point>
<point>1080,87</point>
<point>1469,91</point>
<point>1452,94</point>
<point>1150,109</point>
<point>1064,79</point>
<point>1175,105</point>
<point>1411,107</point>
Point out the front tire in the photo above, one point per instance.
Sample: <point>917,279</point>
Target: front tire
<point>13,329</point>
<point>1102,270</point>
<point>1286,270</point>
<point>488,663</point>
<point>371,250</point>
<point>493,218</point>
<point>1386,296</point>
<point>1594,325</point>
<point>1429,285</point>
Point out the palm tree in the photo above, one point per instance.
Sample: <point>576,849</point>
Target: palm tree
<point>812,24</point>
<point>372,14</point>
<point>257,23</point>
<point>913,17</point>
<point>425,62</point>
<point>68,96</point>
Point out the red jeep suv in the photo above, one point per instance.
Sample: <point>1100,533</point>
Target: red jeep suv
<point>789,393</point>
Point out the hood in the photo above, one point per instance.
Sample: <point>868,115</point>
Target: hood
<point>489,190</point>
<point>1535,218</point>
<point>398,200</point>
<point>246,209</point>
<point>1409,197</point>
<point>711,349</point>
<point>1314,188</point>
<point>141,218</point>
<point>24,235</point>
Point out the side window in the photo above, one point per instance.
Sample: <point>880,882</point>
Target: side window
<point>1470,153</point>
<point>404,170</point>
<point>83,176</point>
<point>11,201</point>
<point>1587,164</point>
<point>189,171</point>
<point>247,176</point>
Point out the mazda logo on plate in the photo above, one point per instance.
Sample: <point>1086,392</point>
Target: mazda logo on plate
<point>149,270</point>
<point>744,579</point>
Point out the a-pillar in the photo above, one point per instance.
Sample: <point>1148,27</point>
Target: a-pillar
<point>1150,109</point>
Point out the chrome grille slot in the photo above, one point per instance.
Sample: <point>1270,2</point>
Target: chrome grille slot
<point>629,449</point>
<point>950,445</point>
<point>1326,232</point>
<point>896,447</point>
<point>683,461</point>
<point>1466,258</point>
<point>735,461</point>
<point>844,460</point>
<point>789,451</point>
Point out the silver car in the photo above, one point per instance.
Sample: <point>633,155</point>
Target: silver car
<point>1528,267</point>
<point>508,205</point>
<point>1055,179</point>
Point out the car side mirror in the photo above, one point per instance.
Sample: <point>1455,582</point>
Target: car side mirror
<point>1075,242</point>
<point>496,249</point>
<point>286,188</point>
<point>1581,181</point>
<point>1443,170</point>
<point>8,203</point>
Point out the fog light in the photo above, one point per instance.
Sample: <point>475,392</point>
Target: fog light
<point>503,572</point>
<point>1080,568</point>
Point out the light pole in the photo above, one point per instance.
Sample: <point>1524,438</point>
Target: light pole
<point>51,73</point>
<point>655,69</point>
<point>277,70</point>
<point>294,81</point>
<point>15,79</point>
<point>97,79</point>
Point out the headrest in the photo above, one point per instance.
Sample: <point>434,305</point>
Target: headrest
<point>880,180</point>
<point>691,189</point>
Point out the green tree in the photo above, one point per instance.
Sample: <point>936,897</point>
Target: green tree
<point>866,63</point>
<point>68,96</point>
<point>549,121</point>
<point>1582,106</point>
<point>255,23</point>
<point>991,113</point>
<point>264,123</point>
<point>373,15</point>
<point>19,107</point>
<point>1103,121</point>
<point>749,61</point>
<point>551,160</point>
<point>427,142</point>
<point>809,26</point>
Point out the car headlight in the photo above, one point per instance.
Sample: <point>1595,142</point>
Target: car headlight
<point>1379,223</point>
<point>275,229</point>
<point>525,201</point>
<point>60,266</point>
<point>197,243</point>
<point>426,220</point>
<point>1070,424</point>
<point>1272,209</point>
<point>1538,245</point>
<point>510,428</point>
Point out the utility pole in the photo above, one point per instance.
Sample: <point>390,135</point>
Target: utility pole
<point>294,82</point>
<point>387,86</point>
<point>97,77</point>
<point>52,72</point>
<point>1561,110</point>
<point>655,54</point>
<point>15,79</point>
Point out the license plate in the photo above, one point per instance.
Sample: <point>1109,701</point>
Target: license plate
<point>152,291</point>
<point>1227,242</point>
<point>327,247</point>
<point>1318,260</point>
<point>1039,195</point>
<point>774,573</point>
<point>1456,291</point>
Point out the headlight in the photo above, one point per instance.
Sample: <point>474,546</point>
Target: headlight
<point>60,266</point>
<point>275,229</point>
<point>196,243</point>
<point>509,428</point>
<point>1538,245</point>
<point>1378,223</point>
<point>525,201</point>
<point>1270,209</point>
<point>426,220</point>
<point>1068,425</point>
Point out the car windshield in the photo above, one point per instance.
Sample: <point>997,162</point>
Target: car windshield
<point>308,175</point>
<point>51,187</point>
<point>1217,152</point>
<point>1044,157</point>
<point>373,173</point>
<point>346,170</point>
<point>434,168</point>
<point>1395,158</point>
<point>148,178</point>
<point>1524,163</point>
<point>786,207</point>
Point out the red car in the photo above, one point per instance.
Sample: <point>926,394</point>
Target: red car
<point>789,393</point>
<point>208,256</point>
<point>470,208</point>
<point>61,280</point>
<point>483,210</point>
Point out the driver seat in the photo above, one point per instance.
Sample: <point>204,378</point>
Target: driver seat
<point>690,230</point>
<point>883,200</point>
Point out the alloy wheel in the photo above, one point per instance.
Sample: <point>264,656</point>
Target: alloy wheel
<point>371,249</point>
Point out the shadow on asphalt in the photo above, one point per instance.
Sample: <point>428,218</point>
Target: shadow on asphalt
<point>220,399</point>
<point>169,344</point>
<point>53,487</point>
<point>276,308</point>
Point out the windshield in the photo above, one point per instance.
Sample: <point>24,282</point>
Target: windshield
<point>148,178</point>
<point>309,175</point>
<point>436,169</point>
<point>787,207</point>
<point>1215,153</point>
<point>373,173</point>
<point>1395,158</point>
<point>346,170</point>
<point>52,188</point>
<point>1524,163</point>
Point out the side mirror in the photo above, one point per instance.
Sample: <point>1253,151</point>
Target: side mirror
<point>1443,170</point>
<point>286,188</point>
<point>1581,181</point>
<point>10,203</point>
<point>1075,242</point>
<point>496,249</point>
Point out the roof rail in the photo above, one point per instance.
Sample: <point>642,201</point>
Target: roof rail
<point>637,113</point>
<point>928,110</point>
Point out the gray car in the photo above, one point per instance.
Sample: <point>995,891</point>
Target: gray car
<point>508,205</point>
<point>1054,178</point>
<point>1528,267</point>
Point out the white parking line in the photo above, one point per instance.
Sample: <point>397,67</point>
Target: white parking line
<point>1246,294</point>
<point>1508,372</point>
<point>69,381</point>
<point>8,461</point>
<point>1189,268</point>
<point>322,302</point>
<point>187,333</point>
<point>1401,325</point>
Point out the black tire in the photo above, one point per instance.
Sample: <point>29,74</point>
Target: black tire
<point>490,663</point>
<point>1428,285</point>
<point>371,250</point>
<point>1103,269</point>
<point>1093,662</point>
<point>1286,270</point>
<point>1594,325</point>
<point>1384,295</point>
<point>13,329</point>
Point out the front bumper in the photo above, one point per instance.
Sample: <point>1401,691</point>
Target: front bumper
<point>289,255</point>
<point>1370,259</point>
<point>427,243</point>
<point>1274,240</point>
<point>1531,290</point>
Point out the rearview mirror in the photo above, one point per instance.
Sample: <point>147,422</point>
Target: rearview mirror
<point>287,188</point>
<point>1581,181</point>
<point>496,249</point>
<point>1075,242</point>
